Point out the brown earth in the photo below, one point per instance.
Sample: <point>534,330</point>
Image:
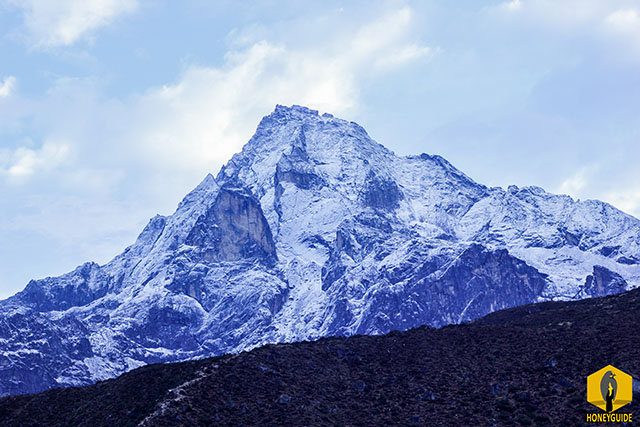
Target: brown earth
<point>523,366</point>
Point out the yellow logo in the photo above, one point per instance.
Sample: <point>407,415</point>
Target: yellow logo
<point>609,388</point>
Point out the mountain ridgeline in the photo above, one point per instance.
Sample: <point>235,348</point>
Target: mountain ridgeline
<point>521,366</point>
<point>312,230</point>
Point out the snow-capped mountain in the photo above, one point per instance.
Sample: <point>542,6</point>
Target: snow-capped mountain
<point>314,229</point>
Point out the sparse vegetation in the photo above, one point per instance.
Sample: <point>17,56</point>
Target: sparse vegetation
<point>523,366</point>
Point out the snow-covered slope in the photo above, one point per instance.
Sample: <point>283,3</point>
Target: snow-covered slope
<point>314,229</point>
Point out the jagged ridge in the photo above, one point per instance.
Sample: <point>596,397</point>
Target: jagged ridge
<point>524,366</point>
<point>313,230</point>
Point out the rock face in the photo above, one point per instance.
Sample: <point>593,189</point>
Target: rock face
<point>521,366</point>
<point>604,282</point>
<point>312,230</point>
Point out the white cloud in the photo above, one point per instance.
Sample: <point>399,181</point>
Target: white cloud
<point>581,182</point>
<point>63,22</point>
<point>627,201</point>
<point>611,26</point>
<point>512,5</point>
<point>563,15</point>
<point>23,162</point>
<point>624,20</point>
<point>573,184</point>
<point>380,33</point>
<point>178,132</point>
<point>137,156</point>
<point>200,121</point>
<point>407,54</point>
<point>587,183</point>
<point>7,85</point>
<point>624,25</point>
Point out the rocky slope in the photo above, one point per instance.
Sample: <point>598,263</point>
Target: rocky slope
<point>313,230</point>
<point>522,366</point>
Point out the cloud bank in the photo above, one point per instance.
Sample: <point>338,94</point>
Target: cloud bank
<point>52,23</point>
<point>6,86</point>
<point>525,92</point>
<point>141,153</point>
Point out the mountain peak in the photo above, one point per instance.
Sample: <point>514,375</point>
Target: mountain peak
<point>287,116</point>
<point>207,186</point>
<point>299,134</point>
<point>313,229</point>
<point>294,110</point>
<point>298,115</point>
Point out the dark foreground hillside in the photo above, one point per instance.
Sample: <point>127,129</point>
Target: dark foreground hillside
<point>523,366</point>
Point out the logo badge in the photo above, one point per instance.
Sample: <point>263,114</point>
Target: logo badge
<point>609,388</point>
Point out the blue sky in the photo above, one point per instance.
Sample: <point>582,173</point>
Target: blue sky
<point>112,110</point>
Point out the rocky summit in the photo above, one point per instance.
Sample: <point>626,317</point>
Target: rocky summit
<point>312,230</point>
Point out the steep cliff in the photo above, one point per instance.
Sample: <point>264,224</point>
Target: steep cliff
<point>312,230</point>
